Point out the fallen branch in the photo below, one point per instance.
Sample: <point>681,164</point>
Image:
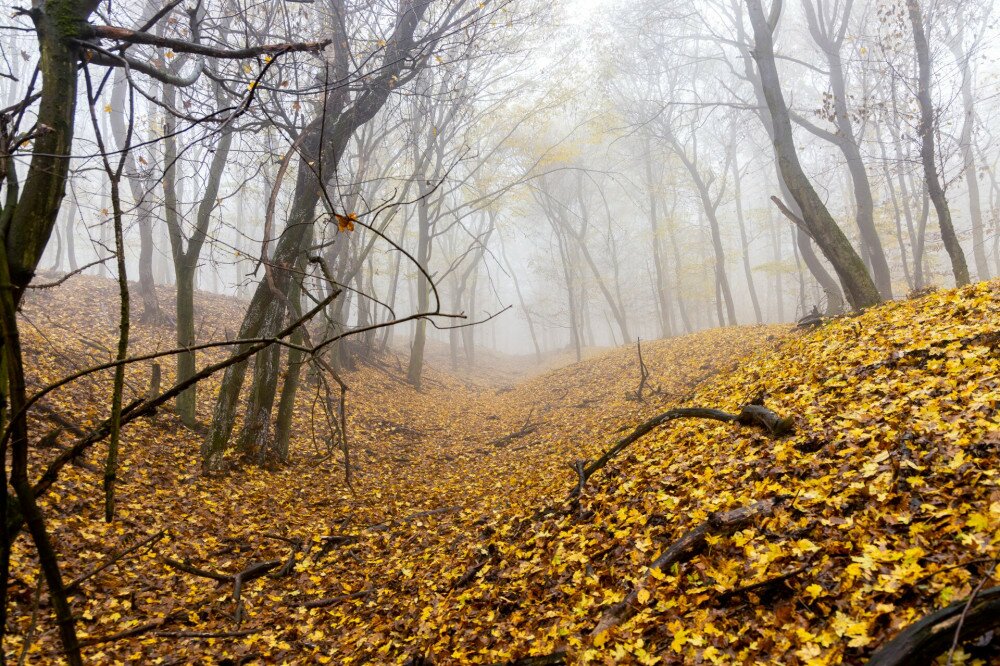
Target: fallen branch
<point>690,544</point>
<point>382,527</point>
<point>127,633</point>
<point>925,639</point>
<point>756,588</point>
<point>749,415</point>
<point>580,467</point>
<point>114,558</point>
<point>195,571</point>
<point>207,634</point>
<point>523,431</point>
<point>252,572</point>
<point>469,574</point>
<point>330,601</point>
<point>298,546</point>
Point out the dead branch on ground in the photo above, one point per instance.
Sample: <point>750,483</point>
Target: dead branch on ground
<point>690,544</point>
<point>750,414</point>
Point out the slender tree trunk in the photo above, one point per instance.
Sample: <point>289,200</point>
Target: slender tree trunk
<point>111,465</point>
<point>828,35</point>
<point>71,236</point>
<point>660,286</point>
<point>681,304</point>
<point>321,143</point>
<point>858,285</point>
<point>57,251</point>
<point>745,251</point>
<point>415,369</point>
<point>574,329</point>
<point>896,212</point>
<point>779,287</point>
<point>289,389</point>
<point>27,504</point>
<point>469,332</point>
<point>927,148</point>
<point>969,159</point>
<point>521,301</point>
<point>139,191</point>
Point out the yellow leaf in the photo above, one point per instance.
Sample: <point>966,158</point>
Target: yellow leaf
<point>680,638</point>
<point>643,596</point>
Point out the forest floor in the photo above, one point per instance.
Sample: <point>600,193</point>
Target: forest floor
<point>459,543</point>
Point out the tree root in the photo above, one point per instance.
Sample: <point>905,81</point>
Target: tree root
<point>690,544</point>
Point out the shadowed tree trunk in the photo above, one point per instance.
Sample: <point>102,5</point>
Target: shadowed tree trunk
<point>415,368</point>
<point>186,259</point>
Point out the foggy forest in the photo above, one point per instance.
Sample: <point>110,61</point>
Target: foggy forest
<point>515,332</point>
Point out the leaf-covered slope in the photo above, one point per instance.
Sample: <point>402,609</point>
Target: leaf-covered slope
<point>459,544</point>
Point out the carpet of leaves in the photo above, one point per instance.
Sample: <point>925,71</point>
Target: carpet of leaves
<point>458,544</point>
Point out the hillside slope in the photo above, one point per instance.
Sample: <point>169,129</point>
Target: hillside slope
<point>458,543</point>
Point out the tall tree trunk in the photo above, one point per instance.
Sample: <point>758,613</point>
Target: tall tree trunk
<point>141,200</point>
<point>858,285</point>
<point>681,301</point>
<point>969,157</point>
<point>745,251</point>
<point>415,368</point>
<point>71,236</point>
<point>779,287</point>
<point>574,324</point>
<point>293,373</point>
<point>187,256</point>
<point>927,148</point>
<point>520,299</point>
<point>323,143</point>
<point>660,286</point>
<point>830,36</point>
<point>896,212</point>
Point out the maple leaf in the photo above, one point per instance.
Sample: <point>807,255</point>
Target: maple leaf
<point>346,222</point>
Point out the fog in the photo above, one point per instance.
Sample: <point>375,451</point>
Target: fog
<point>525,178</point>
